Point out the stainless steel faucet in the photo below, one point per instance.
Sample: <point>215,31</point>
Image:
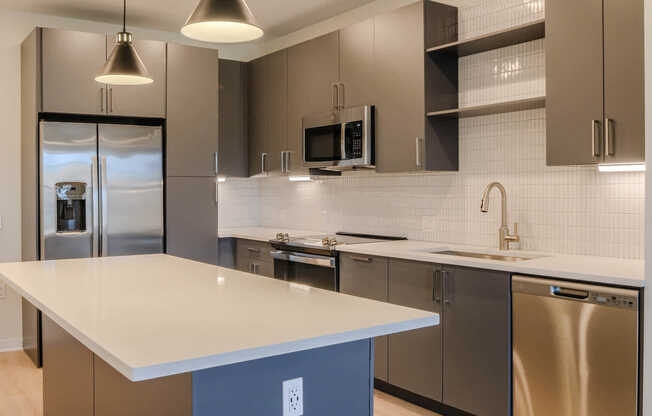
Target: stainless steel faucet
<point>504,237</point>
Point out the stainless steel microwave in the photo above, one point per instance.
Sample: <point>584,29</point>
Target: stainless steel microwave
<point>339,140</point>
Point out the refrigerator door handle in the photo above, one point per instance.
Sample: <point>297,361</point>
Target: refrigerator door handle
<point>104,248</point>
<point>94,209</point>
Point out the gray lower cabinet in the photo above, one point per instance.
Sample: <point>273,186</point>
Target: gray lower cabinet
<point>191,218</point>
<point>415,357</point>
<point>192,111</point>
<point>232,154</point>
<point>70,62</point>
<point>477,346</point>
<point>366,277</point>
<point>254,257</point>
<point>142,100</point>
<point>594,82</point>
<point>400,86</point>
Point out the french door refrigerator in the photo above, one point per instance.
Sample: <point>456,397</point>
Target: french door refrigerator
<point>101,194</point>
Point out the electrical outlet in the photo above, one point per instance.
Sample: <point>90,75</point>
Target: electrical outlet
<point>3,290</point>
<point>293,397</point>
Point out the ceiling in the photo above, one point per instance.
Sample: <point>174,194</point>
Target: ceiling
<point>277,17</point>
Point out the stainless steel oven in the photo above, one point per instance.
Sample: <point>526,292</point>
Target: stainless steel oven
<point>305,268</point>
<point>340,140</point>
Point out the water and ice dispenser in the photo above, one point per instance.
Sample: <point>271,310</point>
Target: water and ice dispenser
<point>71,207</point>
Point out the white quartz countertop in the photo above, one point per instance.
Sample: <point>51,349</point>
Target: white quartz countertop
<point>262,233</point>
<point>157,315</point>
<point>605,270</point>
<point>590,269</point>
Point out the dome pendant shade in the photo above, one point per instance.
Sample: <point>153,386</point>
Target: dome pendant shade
<point>124,66</point>
<point>222,21</point>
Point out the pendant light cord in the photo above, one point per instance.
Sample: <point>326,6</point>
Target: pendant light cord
<point>124,16</point>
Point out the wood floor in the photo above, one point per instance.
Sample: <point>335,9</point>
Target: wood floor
<point>21,391</point>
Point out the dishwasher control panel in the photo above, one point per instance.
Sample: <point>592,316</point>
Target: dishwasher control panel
<point>618,301</point>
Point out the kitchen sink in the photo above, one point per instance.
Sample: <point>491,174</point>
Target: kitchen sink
<point>486,256</point>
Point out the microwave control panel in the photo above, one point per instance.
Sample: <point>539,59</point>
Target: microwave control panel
<point>353,133</point>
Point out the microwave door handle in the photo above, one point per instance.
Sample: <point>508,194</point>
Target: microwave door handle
<point>343,155</point>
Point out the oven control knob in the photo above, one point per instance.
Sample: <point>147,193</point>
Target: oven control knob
<point>286,237</point>
<point>281,237</point>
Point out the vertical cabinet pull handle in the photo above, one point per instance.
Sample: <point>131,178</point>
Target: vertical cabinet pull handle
<point>340,95</point>
<point>448,289</point>
<point>110,100</point>
<point>419,152</point>
<point>102,100</point>
<point>263,159</point>
<point>217,190</point>
<point>595,138</point>
<point>216,163</point>
<point>436,286</point>
<point>608,137</point>
<point>336,94</point>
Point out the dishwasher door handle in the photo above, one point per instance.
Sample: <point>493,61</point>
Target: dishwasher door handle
<point>563,292</point>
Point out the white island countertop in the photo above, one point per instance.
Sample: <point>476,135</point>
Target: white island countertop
<point>157,315</point>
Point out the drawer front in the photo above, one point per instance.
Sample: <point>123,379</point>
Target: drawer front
<point>262,268</point>
<point>253,250</point>
<point>364,276</point>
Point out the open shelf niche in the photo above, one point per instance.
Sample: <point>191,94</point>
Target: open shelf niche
<point>442,83</point>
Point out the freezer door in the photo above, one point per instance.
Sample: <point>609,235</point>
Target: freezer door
<point>68,191</point>
<point>131,184</point>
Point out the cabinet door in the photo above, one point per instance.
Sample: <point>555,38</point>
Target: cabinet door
<point>256,115</point>
<point>276,81</point>
<point>71,60</point>
<point>366,277</point>
<point>477,348</point>
<point>357,68</point>
<point>624,102</point>
<point>233,128</point>
<point>400,104</point>
<point>141,100</point>
<point>192,111</point>
<point>574,82</point>
<point>313,69</point>
<point>192,218</point>
<point>415,357</point>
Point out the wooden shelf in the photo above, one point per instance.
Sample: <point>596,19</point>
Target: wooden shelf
<point>508,37</point>
<point>498,108</point>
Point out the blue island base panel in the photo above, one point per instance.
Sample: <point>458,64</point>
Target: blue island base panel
<point>337,381</point>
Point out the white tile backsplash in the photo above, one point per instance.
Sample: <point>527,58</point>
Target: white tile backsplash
<point>570,210</point>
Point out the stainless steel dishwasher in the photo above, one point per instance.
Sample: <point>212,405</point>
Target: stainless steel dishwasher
<point>575,349</point>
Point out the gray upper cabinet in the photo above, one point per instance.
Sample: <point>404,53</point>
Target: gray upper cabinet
<point>141,100</point>
<point>477,346</point>
<point>313,72</point>
<point>70,62</point>
<point>267,112</point>
<point>256,116</point>
<point>191,218</point>
<point>400,88</point>
<point>415,357</point>
<point>624,80</point>
<point>233,127</point>
<point>594,82</point>
<point>357,69</point>
<point>366,277</point>
<point>192,111</point>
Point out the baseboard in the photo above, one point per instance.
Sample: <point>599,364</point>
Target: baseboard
<point>11,344</point>
<point>421,401</point>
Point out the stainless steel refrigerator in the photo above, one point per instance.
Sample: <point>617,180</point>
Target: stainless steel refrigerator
<point>100,193</point>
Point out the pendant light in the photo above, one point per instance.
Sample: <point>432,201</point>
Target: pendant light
<point>222,21</point>
<point>124,66</point>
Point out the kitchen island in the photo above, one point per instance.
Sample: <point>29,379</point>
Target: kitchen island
<point>161,335</point>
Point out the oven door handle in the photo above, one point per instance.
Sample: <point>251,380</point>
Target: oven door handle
<point>312,259</point>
